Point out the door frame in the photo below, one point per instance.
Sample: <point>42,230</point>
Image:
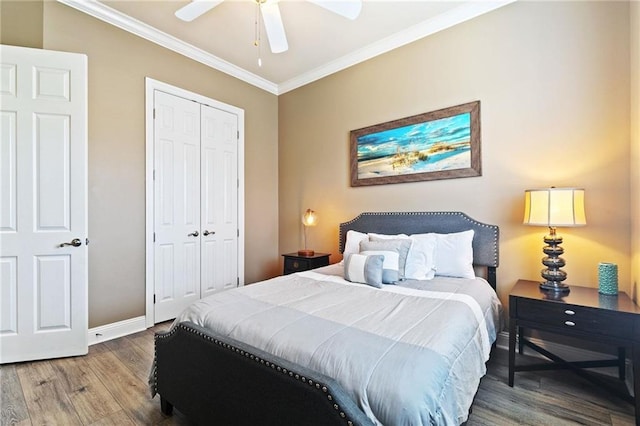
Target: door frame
<point>150,86</point>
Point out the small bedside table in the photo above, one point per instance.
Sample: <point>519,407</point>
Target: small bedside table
<point>296,263</point>
<point>582,313</point>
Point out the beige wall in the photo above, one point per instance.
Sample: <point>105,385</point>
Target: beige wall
<point>555,111</point>
<point>635,142</point>
<point>21,23</point>
<point>118,65</point>
<point>553,79</point>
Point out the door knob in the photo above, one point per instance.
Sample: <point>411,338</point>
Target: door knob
<point>194,234</point>
<point>75,243</point>
<point>205,233</point>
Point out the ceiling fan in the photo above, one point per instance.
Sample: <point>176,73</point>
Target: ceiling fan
<point>270,12</point>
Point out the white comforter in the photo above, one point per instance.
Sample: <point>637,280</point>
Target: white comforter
<point>408,355</point>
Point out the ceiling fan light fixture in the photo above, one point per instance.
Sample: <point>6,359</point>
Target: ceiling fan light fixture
<point>271,17</point>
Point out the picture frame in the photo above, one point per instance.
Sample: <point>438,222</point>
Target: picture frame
<point>442,144</point>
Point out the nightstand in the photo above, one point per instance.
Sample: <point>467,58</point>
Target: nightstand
<point>583,313</point>
<point>296,263</point>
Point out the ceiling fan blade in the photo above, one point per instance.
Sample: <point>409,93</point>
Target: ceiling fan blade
<point>348,8</point>
<point>274,27</point>
<point>196,8</point>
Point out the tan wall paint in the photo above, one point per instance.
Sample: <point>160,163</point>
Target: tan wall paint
<point>555,111</point>
<point>118,65</point>
<point>21,23</point>
<point>559,88</point>
<point>635,143</point>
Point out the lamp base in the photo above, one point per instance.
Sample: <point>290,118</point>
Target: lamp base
<point>555,287</point>
<point>306,252</point>
<point>553,275</point>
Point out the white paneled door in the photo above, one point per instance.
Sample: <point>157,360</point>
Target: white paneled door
<point>219,195</point>
<point>195,202</point>
<point>177,204</point>
<point>43,204</point>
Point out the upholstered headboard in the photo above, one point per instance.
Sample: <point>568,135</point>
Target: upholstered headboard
<point>485,239</point>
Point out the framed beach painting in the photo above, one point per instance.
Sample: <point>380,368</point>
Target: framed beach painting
<point>442,144</point>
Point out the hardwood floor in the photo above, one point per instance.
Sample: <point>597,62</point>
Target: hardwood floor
<point>108,387</point>
<point>554,398</point>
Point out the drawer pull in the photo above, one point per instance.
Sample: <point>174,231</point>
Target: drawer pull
<point>569,323</point>
<point>569,312</point>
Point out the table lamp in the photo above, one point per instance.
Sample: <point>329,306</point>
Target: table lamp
<point>309,218</point>
<point>554,207</point>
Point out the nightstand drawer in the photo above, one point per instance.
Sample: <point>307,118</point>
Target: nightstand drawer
<point>576,318</point>
<point>296,264</point>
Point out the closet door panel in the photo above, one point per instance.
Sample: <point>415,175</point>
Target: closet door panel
<point>177,205</point>
<point>219,199</point>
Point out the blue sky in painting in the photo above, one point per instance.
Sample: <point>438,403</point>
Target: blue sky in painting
<point>415,137</point>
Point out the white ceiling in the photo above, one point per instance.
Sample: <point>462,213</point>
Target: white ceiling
<point>320,42</point>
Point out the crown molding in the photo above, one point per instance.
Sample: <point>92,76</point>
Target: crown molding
<point>462,13</point>
<point>134,26</point>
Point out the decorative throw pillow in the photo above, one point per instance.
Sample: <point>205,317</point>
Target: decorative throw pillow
<point>395,256</point>
<point>365,269</point>
<point>420,263</point>
<point>352,244</point>
<point>454,254</point>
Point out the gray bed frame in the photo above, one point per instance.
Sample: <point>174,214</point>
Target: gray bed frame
<point>213,379</point>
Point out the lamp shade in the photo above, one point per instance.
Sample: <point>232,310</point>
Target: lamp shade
<point>309,218</point>
<point>554,207</point>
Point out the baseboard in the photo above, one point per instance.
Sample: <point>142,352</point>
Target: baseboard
<point>114,330</point>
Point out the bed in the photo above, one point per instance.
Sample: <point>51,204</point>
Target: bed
<point>315,348</point>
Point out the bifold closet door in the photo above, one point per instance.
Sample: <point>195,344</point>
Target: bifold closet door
<point>195,202</point>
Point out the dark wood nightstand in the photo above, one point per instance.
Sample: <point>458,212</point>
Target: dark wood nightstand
<point>296,263</point>
<point>583,313</point>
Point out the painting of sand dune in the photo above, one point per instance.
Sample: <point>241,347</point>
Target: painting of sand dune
<point>434,145</point>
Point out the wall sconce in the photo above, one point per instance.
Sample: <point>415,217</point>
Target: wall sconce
<point>309,218</point>
<point>554,207</point>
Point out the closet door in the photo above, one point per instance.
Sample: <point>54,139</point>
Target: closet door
<point>177,205</point>
<point>195,203</point>
<point>219,194</point>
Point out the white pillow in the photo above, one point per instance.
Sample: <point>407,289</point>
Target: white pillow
<point>374,236</point>
<point>352,245</point>
<point>454,254</point>
<point>421,263</point>
<point>360,268</point>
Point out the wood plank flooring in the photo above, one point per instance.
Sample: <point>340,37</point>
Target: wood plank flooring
<point>108,387</point>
